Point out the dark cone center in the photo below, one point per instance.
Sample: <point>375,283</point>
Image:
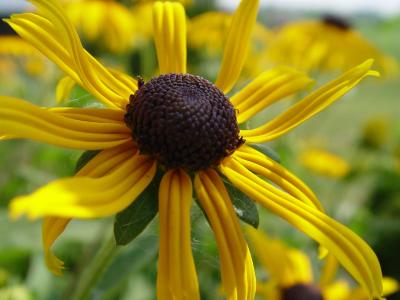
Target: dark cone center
<point>184,121</point>
<point>336,21</point>
<point>302,292</point>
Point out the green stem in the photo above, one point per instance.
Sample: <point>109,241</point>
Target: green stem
<point>96,268</point>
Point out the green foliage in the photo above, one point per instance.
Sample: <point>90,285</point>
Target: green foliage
<point>129,261</point>
<point>130,222</point>
<point>245,208</point>
<point>267,151</point>
<point>81,98</point>
<point>84,159</point>
<point>15,261</point>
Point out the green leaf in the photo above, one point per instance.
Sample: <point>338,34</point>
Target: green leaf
<point>85,158</point>
<point>244,207</point>
<point>119,273</point>
<point>130,222</point>
<point>268,151</point>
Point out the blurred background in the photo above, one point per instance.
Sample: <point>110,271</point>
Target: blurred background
<point>349,154</point>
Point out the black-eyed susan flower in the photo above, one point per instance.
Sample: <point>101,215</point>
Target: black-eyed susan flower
<point>182,124</point>
<point>329,44</point>
<point>291,274</point>
<point>324,163</point>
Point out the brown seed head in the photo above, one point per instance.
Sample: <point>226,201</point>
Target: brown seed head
<point>184,121</point>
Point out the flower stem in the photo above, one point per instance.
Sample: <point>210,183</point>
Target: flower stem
<point>93,272</point>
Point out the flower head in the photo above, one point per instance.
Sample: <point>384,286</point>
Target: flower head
<point>328,44</point>
<point>291,274</point>
<point>139,133</point>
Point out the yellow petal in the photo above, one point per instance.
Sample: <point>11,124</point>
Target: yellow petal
<point>169,26</point>
<point>237,271</point>
<point>52,33</point>
<point>339,290</point>
<point>237,44</point>
<point>329,271</point>
<point>301,263</point>
<point>263,165</point>
<point>310,105</point>
<point>390,286</point>
<point>52,228</point>
<point>351,251</point>
<point>286,266</point>
<point>24,120</point>
<point>64,88</point>
<point>99,115</point>
<point>176,277</point>
<point>267,89</point>
<point>91,197</point>
<point>268,290</point>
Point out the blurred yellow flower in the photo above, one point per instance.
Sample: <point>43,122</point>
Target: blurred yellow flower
<point>183,2</point>
<point>106,22</point>
<point>291,275</point>
<point>32,60</point>
<point>330,44</point>
<point>376,132</point>
<point>207,32</point>
<point>324,163</point>
<point>15,46</point>
<point>180,124</point>
<point>115,27</point>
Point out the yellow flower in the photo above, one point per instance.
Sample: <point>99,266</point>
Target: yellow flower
<point>117,28</point>
<point>207,32</point>
<point>105,21</point>
<point>330,44</point>
<point>14,46</point>
<point>183,124</point>
<point>324,163</point>
<point>291,275</point>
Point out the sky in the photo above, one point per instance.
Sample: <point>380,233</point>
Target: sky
<point>384,7</point>
<point>12,5</point>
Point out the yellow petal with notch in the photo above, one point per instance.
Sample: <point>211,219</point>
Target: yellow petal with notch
<point>310,105</point>
<point>237,44</point>
<point>176,276</point>
<point>351,251</point>
<point>169,26</point>
<point>22,119</point>
<point>237,271</point>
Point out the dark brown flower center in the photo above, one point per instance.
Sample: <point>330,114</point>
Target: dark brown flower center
<point>302,292</point>
<point>184,121</point>
<point>336,21</point>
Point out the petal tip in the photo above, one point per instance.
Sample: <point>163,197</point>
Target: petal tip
<point>15,210</point>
